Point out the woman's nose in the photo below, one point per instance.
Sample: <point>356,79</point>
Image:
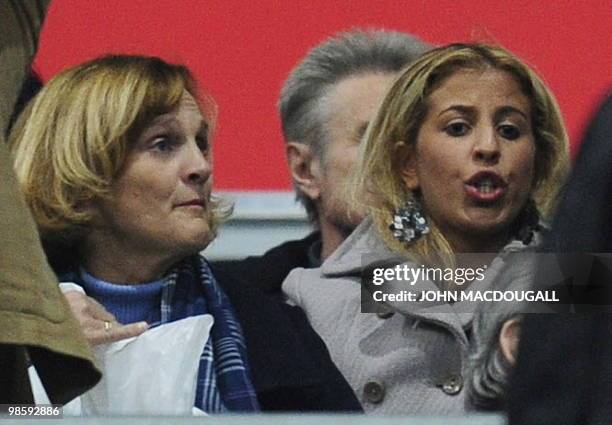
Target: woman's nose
<point>486,147</point>
<point>199,167</point>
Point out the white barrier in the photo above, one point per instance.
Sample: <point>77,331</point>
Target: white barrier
<point>270,419</point>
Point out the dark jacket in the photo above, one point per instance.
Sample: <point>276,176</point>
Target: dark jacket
<point>291,367</point>
<point>564,369</point>
<point>267,272</point>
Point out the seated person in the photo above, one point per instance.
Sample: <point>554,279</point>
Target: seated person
<point>114,157</point>
<point>465,155</point>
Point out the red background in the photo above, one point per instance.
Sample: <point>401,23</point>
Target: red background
<point>241,52</point>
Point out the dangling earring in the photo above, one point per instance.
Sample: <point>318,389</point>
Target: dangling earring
<point>409,224</point>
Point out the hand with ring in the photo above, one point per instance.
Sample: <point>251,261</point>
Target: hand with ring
<point>98,325</point>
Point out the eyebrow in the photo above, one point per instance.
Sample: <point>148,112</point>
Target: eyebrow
<point>159,123</point>
<point>500,113</point>
<point>508,110</point>
<point>466,110</point>
<point>168,119</point>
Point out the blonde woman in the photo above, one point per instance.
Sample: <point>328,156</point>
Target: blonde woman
<point>114,157</point>
<point>466,155</point>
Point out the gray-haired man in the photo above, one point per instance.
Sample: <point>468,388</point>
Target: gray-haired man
<point>325,106</point>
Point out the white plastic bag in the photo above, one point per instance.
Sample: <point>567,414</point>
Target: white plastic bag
<point>152,374</point>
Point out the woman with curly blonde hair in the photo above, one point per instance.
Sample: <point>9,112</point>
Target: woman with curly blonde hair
<point>466,155</point>
<point>114,157</point>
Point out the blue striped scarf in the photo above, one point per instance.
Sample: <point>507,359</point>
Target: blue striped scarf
<point>224,382</point>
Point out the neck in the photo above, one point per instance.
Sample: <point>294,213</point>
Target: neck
<point>476,252</point>
<point>491,244</point>
<point>331,237</point>
<point>120,264</point>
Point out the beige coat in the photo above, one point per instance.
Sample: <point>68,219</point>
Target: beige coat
<point>410,357</point>
<point>34,317</point>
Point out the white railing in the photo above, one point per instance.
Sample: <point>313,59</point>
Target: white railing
<point>260,221</point>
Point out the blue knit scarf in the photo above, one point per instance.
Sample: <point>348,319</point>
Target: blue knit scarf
<point>223,382</point>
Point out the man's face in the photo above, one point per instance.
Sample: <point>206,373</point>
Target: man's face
<point>351,104</point>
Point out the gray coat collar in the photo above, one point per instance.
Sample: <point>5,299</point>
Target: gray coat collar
<point>364,248</point>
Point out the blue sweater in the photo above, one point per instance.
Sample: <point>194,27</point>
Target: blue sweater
<point>129,303</point>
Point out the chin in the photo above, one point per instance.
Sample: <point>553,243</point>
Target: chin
<point>201,243</point>
<point>489,217</point>
<point>192,242</point>
<point>488,228</point>
<point>188,248</point>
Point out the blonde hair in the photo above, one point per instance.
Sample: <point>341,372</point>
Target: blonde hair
<point>71,141</point>
<point>378,178</point>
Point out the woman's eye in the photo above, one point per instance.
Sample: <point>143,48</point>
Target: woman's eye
<point>161,144</point>
<point>202,142</point>
<point>457,129</point>
<point>509,132</point>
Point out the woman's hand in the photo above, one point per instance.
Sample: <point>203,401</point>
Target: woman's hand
<point>98,325</point>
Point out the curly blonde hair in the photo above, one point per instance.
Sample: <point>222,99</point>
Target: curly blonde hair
<point>378,183</point>
<point>71,141</point>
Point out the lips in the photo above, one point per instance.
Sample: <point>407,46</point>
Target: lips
<point>193,203</point>
<point>486,186</point>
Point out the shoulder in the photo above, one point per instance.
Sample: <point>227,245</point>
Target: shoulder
<point>326,300</point>
<point>298,275</point>
<point>292,285</point>
<point>314,281</point>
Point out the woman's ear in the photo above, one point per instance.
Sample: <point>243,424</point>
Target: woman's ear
<point>406,155</point>
<point>90,207</point>
<point>509,338</point>
<point>305,169</point>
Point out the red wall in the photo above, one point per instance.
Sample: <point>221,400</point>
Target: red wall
<point>241,51</point>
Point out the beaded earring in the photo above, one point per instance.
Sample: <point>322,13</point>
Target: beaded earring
<point>409,224</point>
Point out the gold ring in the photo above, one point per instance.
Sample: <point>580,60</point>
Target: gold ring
<point>107,325</point>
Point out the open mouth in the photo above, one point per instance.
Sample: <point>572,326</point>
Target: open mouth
<point>486,186</point>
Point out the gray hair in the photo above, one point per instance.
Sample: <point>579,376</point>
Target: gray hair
<point>345,55</point>
<point>488,369</point>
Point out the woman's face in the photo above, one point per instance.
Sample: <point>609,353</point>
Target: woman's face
<point>474,157</point>
<point>160,203</point>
